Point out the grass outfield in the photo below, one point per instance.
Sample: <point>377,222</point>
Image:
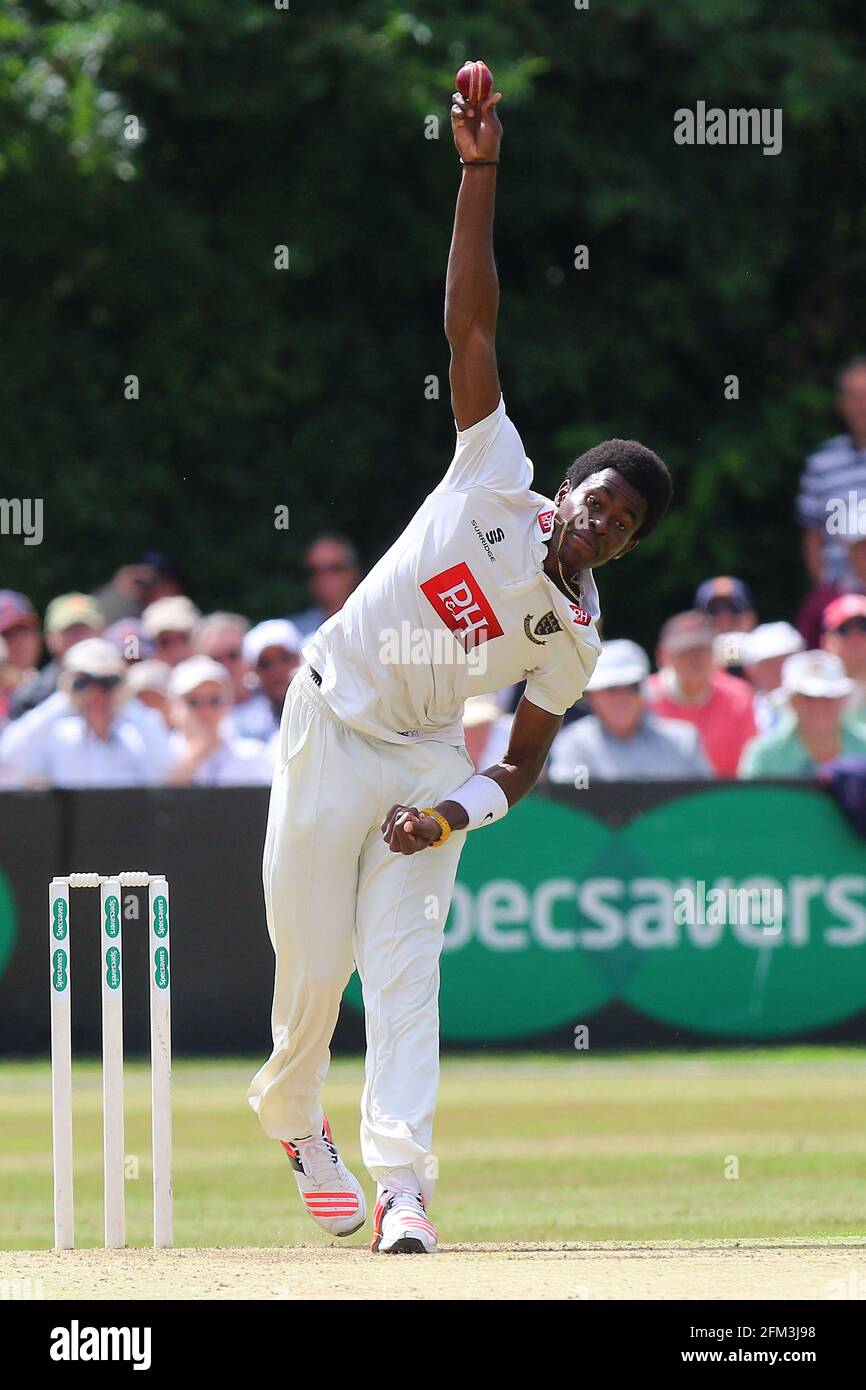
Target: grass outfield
<point>530,1148</point>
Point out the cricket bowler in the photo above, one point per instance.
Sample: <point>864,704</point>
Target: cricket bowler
<point>374,794</point>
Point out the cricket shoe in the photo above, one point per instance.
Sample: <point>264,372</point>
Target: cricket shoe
<point>332,1195</point>
<point>401,1225</point>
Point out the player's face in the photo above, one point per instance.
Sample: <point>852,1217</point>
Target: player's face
<point>601,517</point>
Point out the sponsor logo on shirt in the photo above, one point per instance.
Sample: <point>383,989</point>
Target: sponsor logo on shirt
<point>545,627</point>
<point>488,538</point>
<point>497,534</point>
<point>580,615</point>
<point>460,602</point>
<point>545,521</point>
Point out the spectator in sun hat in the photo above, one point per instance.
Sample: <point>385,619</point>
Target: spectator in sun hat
<point>687,686</point>
<point>816,728</point>
<point>170,624</point>
<point>69,619</point>
<point>764,653</point>
<point>272,653</point>
<point>82,736</point>
<point>621,739</point>
<point>147,682</point>
<point>845,636</point>
<point>207,755</point>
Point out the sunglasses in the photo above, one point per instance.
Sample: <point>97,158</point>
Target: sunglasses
<point>204,701</point>
<point>335,567</point>
<point>170,639</point>
<point>265,663</point>
<point>722,605</point>
<point>82,681</point>
<point>851,625</point>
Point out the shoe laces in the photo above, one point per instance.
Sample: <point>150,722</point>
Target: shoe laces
<point>406,1199</point>
<point>319,1159</point>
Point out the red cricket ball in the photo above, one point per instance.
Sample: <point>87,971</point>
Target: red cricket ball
<point>475,81</point>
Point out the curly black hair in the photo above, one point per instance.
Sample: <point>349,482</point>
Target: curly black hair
<point>639,466</point>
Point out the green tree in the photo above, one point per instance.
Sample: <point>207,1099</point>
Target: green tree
<point>305,387</point>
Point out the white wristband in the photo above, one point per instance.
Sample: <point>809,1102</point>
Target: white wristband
<point>482,799</point>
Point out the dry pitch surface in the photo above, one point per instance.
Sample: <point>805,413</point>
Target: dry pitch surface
<point>832,1269</point>
<point>713,1176</point>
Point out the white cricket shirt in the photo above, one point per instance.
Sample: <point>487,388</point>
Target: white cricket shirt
<point>460,605</point>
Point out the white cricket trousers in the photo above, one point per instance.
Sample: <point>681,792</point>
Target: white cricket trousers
<point>334,891</point>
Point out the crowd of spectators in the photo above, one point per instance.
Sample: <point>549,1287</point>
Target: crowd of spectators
<point>133,685</point>
<point>139,688</point>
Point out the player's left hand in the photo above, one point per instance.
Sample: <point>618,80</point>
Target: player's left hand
<point>406,830</point>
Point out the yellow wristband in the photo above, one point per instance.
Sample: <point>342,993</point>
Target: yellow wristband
<point>443,824</point>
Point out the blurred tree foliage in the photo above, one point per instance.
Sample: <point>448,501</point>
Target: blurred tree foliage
<point>305,387</point>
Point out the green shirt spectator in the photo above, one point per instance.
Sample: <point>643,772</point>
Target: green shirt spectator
<point>816,688</point>
<point>782,753</point>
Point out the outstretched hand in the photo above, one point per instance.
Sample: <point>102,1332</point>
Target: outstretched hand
<point>476,126</point>
<point>406,830</point>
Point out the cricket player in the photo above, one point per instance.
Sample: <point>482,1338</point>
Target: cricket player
<point>374,794</point>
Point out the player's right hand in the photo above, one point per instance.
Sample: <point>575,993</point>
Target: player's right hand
<point>406,830</point>
<point>476,126</point>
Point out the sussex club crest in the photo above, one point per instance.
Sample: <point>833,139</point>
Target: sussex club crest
<point>543,628</point>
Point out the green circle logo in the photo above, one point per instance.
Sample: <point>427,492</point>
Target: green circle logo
<point>112,967</point>
<point>751,913</point>
<point>736,911</point>
<point>112,916</point>
<point>160,967</point>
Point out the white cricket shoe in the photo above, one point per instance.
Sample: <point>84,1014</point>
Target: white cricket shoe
<point>401,1225</point>
<point>332,1195</point>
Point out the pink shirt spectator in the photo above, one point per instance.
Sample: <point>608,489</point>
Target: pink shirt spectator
<point>726,720</point>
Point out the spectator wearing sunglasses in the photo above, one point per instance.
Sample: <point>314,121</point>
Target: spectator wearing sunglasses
<point>333,572</point>
<point>221,636</point>
<point>727,603</point>
<point>845,636</point>
<point>170,623</point>
<point>272,654</point>
<point>207,754</point>
<point>83,736</point>
<point>621,739</point>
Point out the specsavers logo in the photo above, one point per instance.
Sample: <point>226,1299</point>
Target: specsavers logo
<point>737,911</point>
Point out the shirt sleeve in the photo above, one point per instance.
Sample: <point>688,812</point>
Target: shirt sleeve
<point>810,506</point>
<point>489,454</point>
